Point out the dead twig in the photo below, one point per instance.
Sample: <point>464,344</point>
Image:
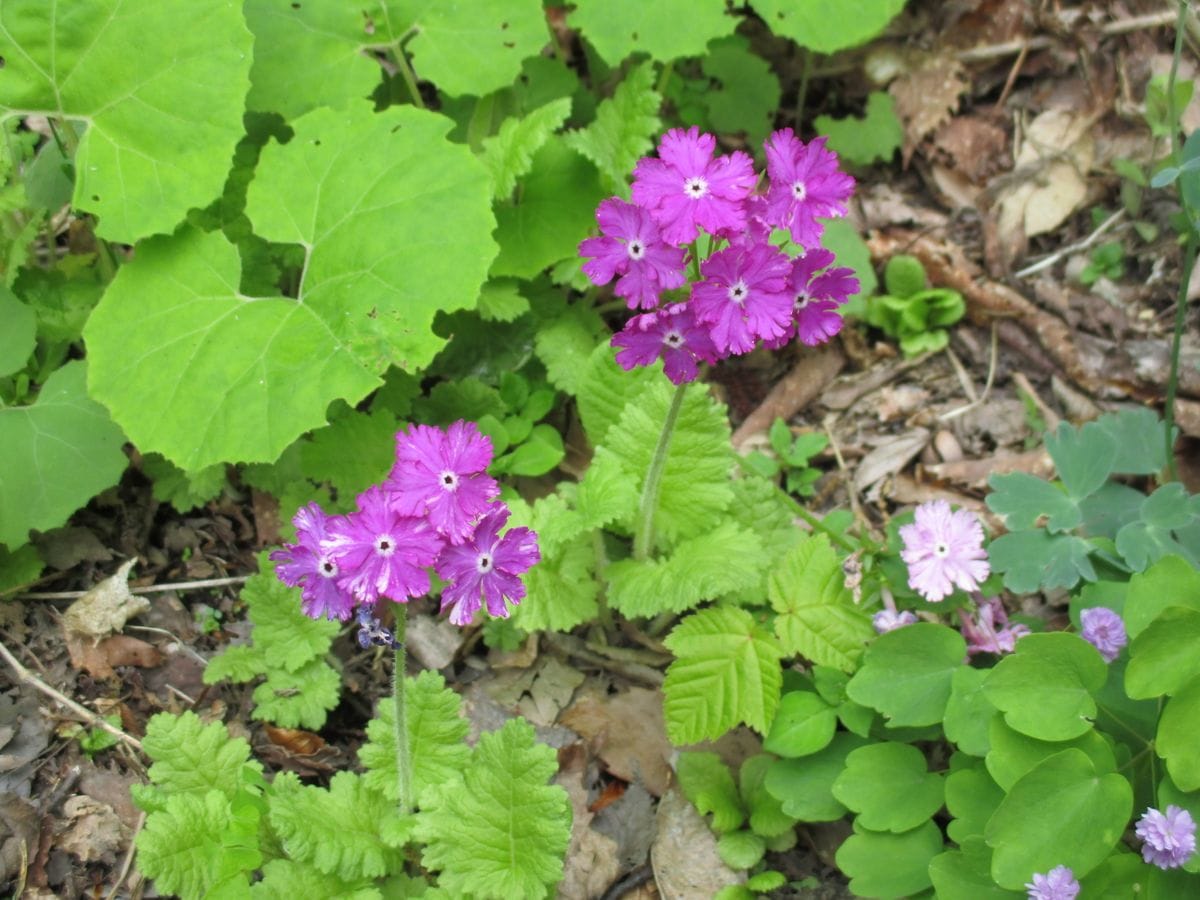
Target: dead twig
<point>127,862</point>
<point>147,589</point>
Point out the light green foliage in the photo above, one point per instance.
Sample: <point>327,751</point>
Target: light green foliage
<point>284,879</point>
<point>767,817</point>
<point>741,849</point>
<point>965,873</point>
<point>1037,559</point>
<point>622,129</point>
<point>726,559</point>
<point>666,30</point>
<point>1013,754</point>
<point>1158,105</point>
<point>1163,657</point>
<point>804,724</point>
<point>851,251</point>
<point>969,712</point>
<point>183,490</point>
<point>1176,739</point>
<point>288,649</point>
<point>509,154</point>
<point>604,389</point>
<point>707,782</point>
<point>1045,689</point>
<point>875,137</point>
<point>501,831</point>
<point>160,134</point>
<point>792,455</point>
<point>561,590</point>
<point>346,187</point>
<point>58,453</point>
<point>19,336</point>
<point>810,24</point>
<point>436,734</point>
<point>340,831</point>
<point>1105,261</point>
<point>1169,582</point>
<point>906,674</point>
<point>816,614</point>
<point>912,313</point>
<point>353,452</point>
<point>1063,812</point>
<point>18,567</point>
<point>726,671</point>
<point>889,787</point>
<point>500,300</point>
<point>746,98</point>
<point>971,798</point>
<point>199,844</point>
<point>1158,530</point>
<point>889,865</point>
<point>804,786</point>
<point>567,343</point>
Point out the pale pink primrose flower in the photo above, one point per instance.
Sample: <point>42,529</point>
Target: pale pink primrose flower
<point>806,185</point>
<point>989,631</point>
<point>670,334</point>
<point>744,296</point>
<point>486,569</point>
<point>1057,884</point>
<point>1104,630</point>
<point>631,247</point>
<point>310,565</point>
<point>686,189</point>
<point>889,620</point>
<point>1170,837</point>
<point>943,550</point>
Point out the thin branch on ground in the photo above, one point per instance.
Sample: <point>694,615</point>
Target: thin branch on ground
<point>1076,247</point>
<point>993,357</point>
<point>180,586</point>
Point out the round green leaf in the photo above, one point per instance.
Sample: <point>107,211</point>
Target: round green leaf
<point>1013,754</point>
<point>813,24</point>
<point>58,454</point>
<point>906,674</point>
<point>965,874</point>
<point>741,849</point>
<point>18,337</point>
<point>971,797</point>
<point>617,28</point>
<point>805,786</point>
<point>162,96</point>
<point>804,724</point>
<point>1177,736</point>
<point>1060,813</point>
<point>969,713</point>
<point>890,865</point>
<point>1171,581</point>
<point>1163,658</point>
<point>889,787</point>
<point>1045,688</point>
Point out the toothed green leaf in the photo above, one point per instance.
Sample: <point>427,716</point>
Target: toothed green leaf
<point>353,453</point>
<point>623,129</point>
<point>183,490</point>
<point>286,879</point>
<point>666,30</point>
<point>193,758</point>
<point>707,782</point>
<point>508,155</point>
<point>810,24</point>
<point>299,699</point>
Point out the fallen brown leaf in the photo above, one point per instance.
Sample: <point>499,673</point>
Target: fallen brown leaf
<point>627,733</point>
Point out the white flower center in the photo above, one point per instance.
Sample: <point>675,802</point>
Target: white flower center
<point>484,564</point>
<point>941,549</point>
<point>449,480</point>
<point>673,339</point>
<point>802,299</point>
<point>636,250</point>
<point>738,291</point>
<point>327,567</point>
<point>695,187</point>
<point>799,191</point>
<point>385,545</point>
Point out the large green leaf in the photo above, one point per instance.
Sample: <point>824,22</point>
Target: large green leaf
<point>160,88</point>
<point>880,864</point>
<point>665,29</point>
<point>1171,581</point>
<point>827,27</point>
<point>1163,657</point>
<point>889,787</point>
<point>805,785</point>
<point>907,673</point>
<point>396,226</point>
<point>1176,741</point>
<point>58,453</point>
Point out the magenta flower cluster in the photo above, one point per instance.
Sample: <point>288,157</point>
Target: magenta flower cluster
<point>437,508</point>
<point>749,290</point>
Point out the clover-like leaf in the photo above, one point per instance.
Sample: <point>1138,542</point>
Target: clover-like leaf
<point>1023,499</point>
<point>1084,457</point>
<point>1171,581</point>
<point>1063,812</point>
<point>707,782</point>
<point>354,188</point>
<point>965,873</point>
<point>804,723</point>
<point>971,798</point>
<point>58,453</point>
<point>808,23</point>
<point>889,787</point>
<point>726,671</point>
<point>1138,436</point>
<point>1151,537</point>
<point>1176,740</point>
<point>907,674</point>
<point>160,134</point>
<point>747,95</point>
<point>1046,688</point>
<point>1163,657</point>
<point>889,865</point>
<point>1013,754</point>
<point>816,615</point>
<point>1035,559</point>
<point>804,786</point>
<point>969,712</point>
<point>767,818</point>
<point>617,29</point>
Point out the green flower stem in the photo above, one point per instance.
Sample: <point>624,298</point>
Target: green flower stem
<point>403,762</point>
<point>643,537</point>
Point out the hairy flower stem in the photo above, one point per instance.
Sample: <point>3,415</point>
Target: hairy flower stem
<point>403,762</point>
<point>643,538</point>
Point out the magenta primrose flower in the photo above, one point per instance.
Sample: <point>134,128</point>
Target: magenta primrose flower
<point>686,189</point>
<point>943,549</point>
<point>487,568</point>
<point>744,296</point>
<point>806,184</point>
<point>1170,837</point>
<point>631,247</point>
<point>1057,884</point>
<point>311,566</point>
<point>443,474</point>
<point>816,296</point>
<point>1104,630</point>
<point>671,334</point>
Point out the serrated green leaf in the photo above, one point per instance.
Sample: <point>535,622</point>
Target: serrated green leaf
<point>767,818</point>
<point>183,490</point>
<point>1176,739</point>
<point>875,137</point>
<point>353,453</point>
<point>299,699</point>
<point>603,389</point>
<point>1045,688</point>
<point>623,129</point>
<point>707,782</point>
<point>1023,499</point>
<point>804,786</point>
<point>561,590</point>
<point>765,882</point>
<point>552,213</point>
<point>1063,812</point>
<point>747,96</point>
<point>1035,559</point>
<point>817,618</point>
<point>804,724</point>
<point>286,879</point>
<point>20,332</point>
<point>508,155</point>
<point>1171,581</point>
<point>336,830</point>
<point>971,798</point>
<point>726,671</point>
<point>1084,457</point>
<point>889,787</point>
<point>196,842</point>
<point>907,674</point>
<point>741,849</point>
<point>193,758</point>
<point>1163,657</point>
<point>606,494</point>
<point>332,188</point>
<point>58,453</point>
<point>1012,754</point>
<point>464,398</point>
<point>237,663</point>
<point>809,24</point>
<point>969,712</point>
<point>436,735</point>
<point>889,865</point>
<point>160,134</point>
<point>566,344</point>
<point>617,29</point>
<point>705,567</point>
<point>500,300</point>
<point>502,832</point>
<point>1151,537</point>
